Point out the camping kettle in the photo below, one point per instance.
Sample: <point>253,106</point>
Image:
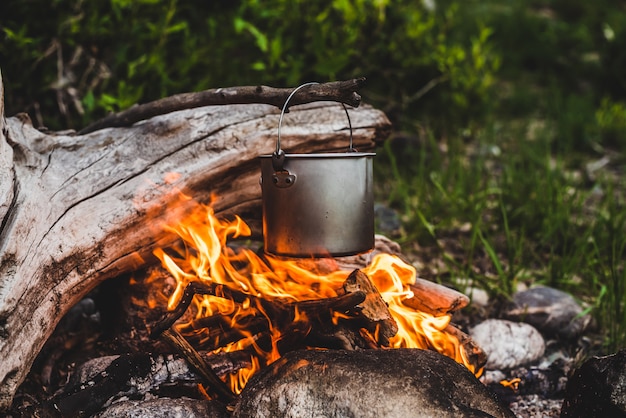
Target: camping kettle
<point>318,204</point>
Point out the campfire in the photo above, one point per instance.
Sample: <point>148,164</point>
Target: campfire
<point>221,300</point>
<point>234,299</point>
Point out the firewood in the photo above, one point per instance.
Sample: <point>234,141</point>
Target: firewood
<point>78,209</point>
<point>379,320</point>
<point>434,298</point>
<point>215,386</point>
<point>282,311</point>
<point>191,290</point>
<point>474,354</point>
<point>429,297</point>
<point>216,337</point>
<point>211,322</point>
<point>342,336</point>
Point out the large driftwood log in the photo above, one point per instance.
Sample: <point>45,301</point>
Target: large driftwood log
<point>76,210</point>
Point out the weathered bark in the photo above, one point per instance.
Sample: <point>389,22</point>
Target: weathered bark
<point>76,210</point>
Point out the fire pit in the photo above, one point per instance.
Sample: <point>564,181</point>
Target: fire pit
<point>268,306</point>
<point>106,191</point>
<point>230,301</point>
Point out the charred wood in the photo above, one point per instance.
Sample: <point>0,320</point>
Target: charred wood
<point>379,322</point>
<point>216,386</point>
<point>282,312</point>
<point>102,381</point>
<point>472,351</point>
<point>428,297</point>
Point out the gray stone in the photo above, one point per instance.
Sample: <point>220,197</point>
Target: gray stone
<point>164,408</point>
<point>552,311</point>
<point>387,220</point>
<point>479,297</point>
<point>508,344</point>
<point>597,388</point>
<point>367,384</point>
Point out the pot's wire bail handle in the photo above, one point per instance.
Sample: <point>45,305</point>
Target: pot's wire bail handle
<point>278,157</point>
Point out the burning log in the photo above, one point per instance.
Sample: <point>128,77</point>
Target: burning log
<point>428,296</point>
<point>285,312</point>
<point>374,309</point>
<point>364,321</point>
<point>218,388</point>
<point>280,315</point>
<point>332,309</point>
<point>78,209</point>
<point>435,299</point>
<point>472,352</point>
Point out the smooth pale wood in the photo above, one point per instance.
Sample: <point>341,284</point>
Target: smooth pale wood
<point>6,163</point>
<point>76,210</point>
<point>434,298</point>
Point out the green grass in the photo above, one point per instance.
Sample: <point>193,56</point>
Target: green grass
<point>534,192</point>
<point>506,206</point>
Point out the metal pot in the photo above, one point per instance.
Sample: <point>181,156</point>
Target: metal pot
<point>317,205</point>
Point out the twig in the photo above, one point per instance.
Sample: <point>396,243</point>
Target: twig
<point>337,303</point>
<point>279,309</point>
<point>474,354</point>
<point>216,386</point>
<point>192,289</point>
<point>337,91</point>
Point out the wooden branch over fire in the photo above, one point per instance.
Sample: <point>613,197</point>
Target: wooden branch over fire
<point>336,91</point>
<point>285,311</point>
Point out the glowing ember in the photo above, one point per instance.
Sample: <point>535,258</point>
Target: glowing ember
<point>204,256</point>
<point>513,383</point>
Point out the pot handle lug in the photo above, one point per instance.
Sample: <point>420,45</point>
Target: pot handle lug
<point>283,179</point>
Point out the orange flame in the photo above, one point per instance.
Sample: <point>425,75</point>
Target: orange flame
<point>202,255</point>
<point>513,383</point>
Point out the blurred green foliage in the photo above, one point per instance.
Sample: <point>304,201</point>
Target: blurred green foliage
<point>561,60</point>
<point>68,62</point>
